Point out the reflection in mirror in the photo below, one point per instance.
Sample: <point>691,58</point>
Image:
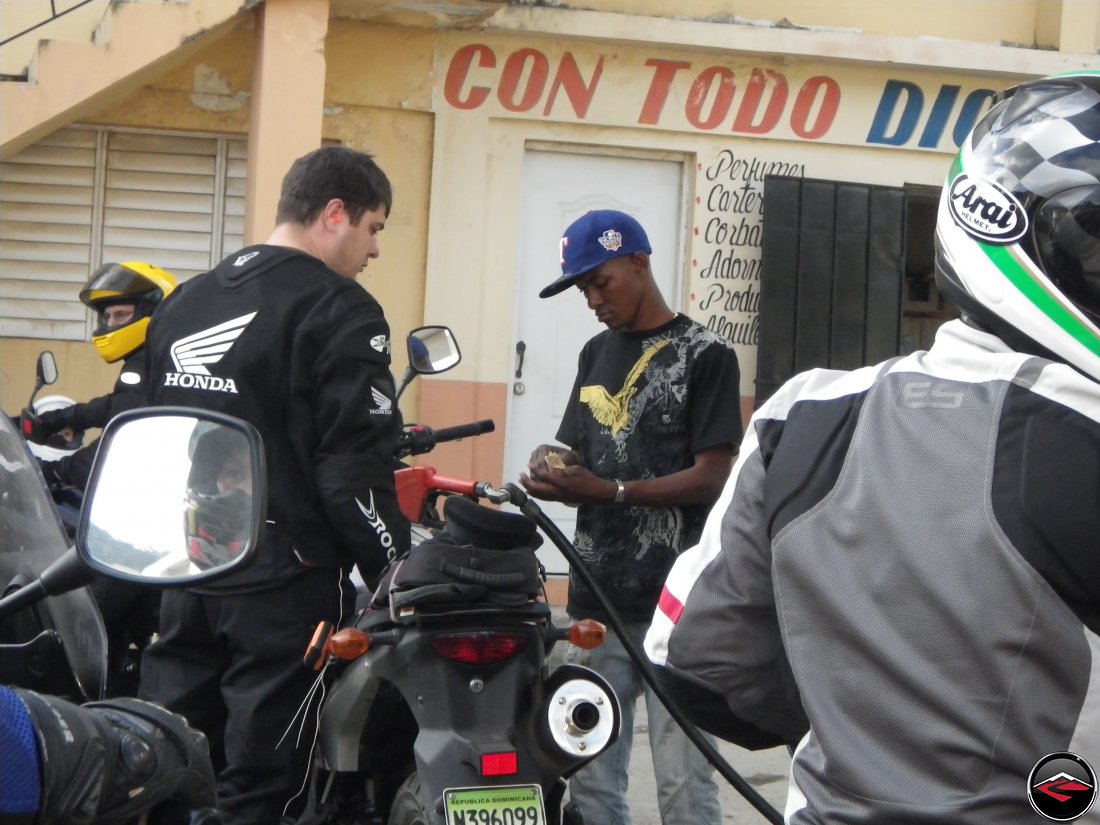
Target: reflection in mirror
<point>433,350</point>
<point>172,498</point>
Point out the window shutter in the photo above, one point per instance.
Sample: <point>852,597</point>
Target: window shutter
<point>85,196</point>
<point>47,203</point>
<point>832,266</point>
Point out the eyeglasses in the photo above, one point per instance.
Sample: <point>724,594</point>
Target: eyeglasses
<point>118,315</point>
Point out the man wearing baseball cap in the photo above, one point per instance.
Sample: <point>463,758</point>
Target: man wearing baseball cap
<point>651,428</point>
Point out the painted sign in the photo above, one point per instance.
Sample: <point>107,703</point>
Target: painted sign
<point>721,99</point>
<point>728,230</point>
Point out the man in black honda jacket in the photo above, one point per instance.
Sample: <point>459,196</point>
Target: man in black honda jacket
<point>281,335</point>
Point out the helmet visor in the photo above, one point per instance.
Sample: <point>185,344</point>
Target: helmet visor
<point>117,281</point>
<point>1067,241</point>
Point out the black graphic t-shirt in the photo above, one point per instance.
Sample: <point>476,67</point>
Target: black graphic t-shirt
<point>644,403</point>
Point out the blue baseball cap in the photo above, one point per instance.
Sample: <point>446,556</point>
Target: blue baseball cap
<point>593,238</point>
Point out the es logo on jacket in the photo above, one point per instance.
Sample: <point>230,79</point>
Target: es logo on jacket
<point>192,354</point>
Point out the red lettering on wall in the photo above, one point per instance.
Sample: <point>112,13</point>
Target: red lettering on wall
<point>700,90</point>
<point>569,78</point>
<point>458,72</point>
<point>664,72</point>
<point>820,90</point>
<point>750,104</point>
<point>522,84</point>
<point>513,76</point>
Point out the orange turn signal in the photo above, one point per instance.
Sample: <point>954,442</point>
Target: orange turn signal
<point>348,644</point>
<point>317,652</point>
<point>587,634</point>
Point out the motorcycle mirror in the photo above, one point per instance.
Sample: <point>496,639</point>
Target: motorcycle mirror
<point>176,496</point>
<point>45,372</point>
<point>432,350</point>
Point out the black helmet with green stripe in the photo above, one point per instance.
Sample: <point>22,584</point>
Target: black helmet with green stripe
<point>1018,229</point>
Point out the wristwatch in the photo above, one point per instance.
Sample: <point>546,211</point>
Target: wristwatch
<point>620,493</point>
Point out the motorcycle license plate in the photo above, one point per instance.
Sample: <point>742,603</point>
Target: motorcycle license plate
<point>505,805</point>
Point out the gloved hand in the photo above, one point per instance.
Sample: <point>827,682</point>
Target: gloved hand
<point>32,427</point>
<point>55,420</point>
<point>52,475</point>
<point>111,761</point>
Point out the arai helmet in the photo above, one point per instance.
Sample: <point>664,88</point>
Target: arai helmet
<point>1018,229</point>
<point>133,283</point>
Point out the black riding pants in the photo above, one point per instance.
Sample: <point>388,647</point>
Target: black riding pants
<point>232,665</point>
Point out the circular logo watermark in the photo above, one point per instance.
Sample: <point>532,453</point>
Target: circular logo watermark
<point>1061,787</point>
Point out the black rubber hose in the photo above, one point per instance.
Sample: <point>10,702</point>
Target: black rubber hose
<point>529,508</point>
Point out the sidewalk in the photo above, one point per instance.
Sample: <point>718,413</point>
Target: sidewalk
<point>766,771</point>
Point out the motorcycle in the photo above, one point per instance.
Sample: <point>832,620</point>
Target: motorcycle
<point>444,709</point>
<point>443,705</point>
<point>51,636</point>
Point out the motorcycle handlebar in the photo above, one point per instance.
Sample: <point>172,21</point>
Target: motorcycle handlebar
<point>464,430</point>
<point>418,439</point>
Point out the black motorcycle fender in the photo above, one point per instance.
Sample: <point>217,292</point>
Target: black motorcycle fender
<point>345,714</point>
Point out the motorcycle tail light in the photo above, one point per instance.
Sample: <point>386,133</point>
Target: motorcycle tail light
<point>499,764</point>
<point>480,648</point>
<point>587,634</point>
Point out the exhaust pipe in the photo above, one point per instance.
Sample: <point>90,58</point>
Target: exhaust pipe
<point>579,718</point>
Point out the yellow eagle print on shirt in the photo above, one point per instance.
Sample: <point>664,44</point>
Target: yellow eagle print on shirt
<point>613,410</point>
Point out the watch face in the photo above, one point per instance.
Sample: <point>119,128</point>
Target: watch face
<point>1062,787</point>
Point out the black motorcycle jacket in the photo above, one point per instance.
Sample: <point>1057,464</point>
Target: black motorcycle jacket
<point>275,337</point>
<point>128,393</point>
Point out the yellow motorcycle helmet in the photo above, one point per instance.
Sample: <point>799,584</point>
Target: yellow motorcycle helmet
<point>130,282</point>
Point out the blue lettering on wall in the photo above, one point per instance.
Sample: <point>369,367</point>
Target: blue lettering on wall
<point>937,119</point>
<point>902,103</point>
<point>888,103</point>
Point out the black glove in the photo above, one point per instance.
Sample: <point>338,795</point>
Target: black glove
<point>52,474</point>
<point>32,427</point>
<point>111,761</point>
<point>55,420</point>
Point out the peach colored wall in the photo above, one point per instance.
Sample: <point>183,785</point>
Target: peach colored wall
<point>447,403</point>
<point>1038,22</point>
<point>286,103</point>
<point>981,21</point>
<point>82,373</point>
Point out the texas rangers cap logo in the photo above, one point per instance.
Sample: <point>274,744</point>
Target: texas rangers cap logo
<point>611,240</point>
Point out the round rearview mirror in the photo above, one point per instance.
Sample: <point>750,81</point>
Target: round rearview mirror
<point>176,496</point>
<point>432,350</point>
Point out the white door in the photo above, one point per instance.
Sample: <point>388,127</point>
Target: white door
<point>559,187</point>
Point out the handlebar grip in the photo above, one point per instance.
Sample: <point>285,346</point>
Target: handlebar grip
<point>464,430</point>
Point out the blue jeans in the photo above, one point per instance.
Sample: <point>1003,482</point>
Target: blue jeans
<point>686,791</point>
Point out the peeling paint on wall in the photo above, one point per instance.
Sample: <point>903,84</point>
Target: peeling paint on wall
<point>211,91</point>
